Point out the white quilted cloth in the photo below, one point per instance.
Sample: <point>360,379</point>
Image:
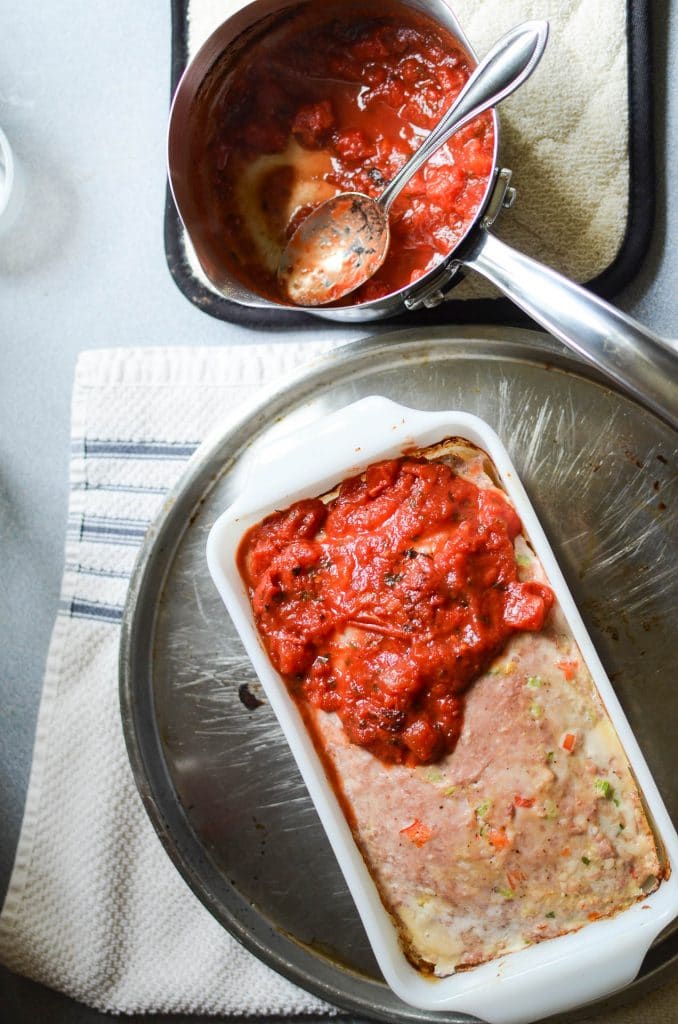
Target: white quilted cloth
<point>95,907</point>
<point>564,134</point>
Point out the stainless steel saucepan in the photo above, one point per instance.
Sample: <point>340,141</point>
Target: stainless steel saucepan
<point>634,357</point>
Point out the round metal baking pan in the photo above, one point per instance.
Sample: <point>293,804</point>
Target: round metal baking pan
<point>209,760</point>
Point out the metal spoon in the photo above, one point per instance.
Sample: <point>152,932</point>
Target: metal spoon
<point>343,242</point>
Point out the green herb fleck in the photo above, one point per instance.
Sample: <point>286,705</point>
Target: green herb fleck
<point>391,578</point>
<point>536,710</point>
<point>508,894</point>
<point>550,757</point>
<point>534,682</point>
<point>449,791</point>
<point>604,789</point>
<point>483,809</point>
<point>433,775</point>
<point>551,913</point>
<point>586,860</point>
<point>550,810</point>
<point>523,560</point>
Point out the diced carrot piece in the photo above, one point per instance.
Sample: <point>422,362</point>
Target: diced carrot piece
<point>568,668</point>
<point>568,741</point>
<point>498,838</point>
<point>523,801</point>
<point>565,852</point>
<point>417,832</point>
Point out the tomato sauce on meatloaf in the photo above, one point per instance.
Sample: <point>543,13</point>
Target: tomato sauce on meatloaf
<point>385,602</point>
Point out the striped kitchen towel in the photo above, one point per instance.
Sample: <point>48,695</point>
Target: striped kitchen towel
<point>95,908</point>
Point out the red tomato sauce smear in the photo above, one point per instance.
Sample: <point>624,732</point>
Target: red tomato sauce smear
<point>385,602</point>
<point>336,97</point>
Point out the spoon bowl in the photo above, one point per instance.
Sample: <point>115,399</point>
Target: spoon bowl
<point>335,249</point>
<point>344,241</point>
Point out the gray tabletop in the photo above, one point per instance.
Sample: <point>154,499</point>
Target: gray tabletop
<point>83,97</point>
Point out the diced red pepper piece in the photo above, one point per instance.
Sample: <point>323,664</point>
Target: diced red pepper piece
<point>417,833</point>
<point>523,801</point>
<point>568,668</point>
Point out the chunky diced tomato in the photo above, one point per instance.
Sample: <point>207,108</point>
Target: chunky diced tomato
<point>312,124</point>
<point>451,80</point>
<point>442,185</point>
<point>353,146</point>
<point>477,160</point>
<point>374,74</point>
<point>412,70</point>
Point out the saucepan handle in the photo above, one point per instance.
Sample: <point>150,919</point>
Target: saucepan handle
<point>642,362</point>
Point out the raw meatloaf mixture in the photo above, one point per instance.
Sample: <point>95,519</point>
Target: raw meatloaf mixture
<point>520,819</point>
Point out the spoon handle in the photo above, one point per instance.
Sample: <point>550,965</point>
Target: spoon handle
<point>506,66</point>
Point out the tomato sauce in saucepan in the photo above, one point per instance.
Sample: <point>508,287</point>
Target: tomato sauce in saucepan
<point>336,97</point>
<point>384,603</point>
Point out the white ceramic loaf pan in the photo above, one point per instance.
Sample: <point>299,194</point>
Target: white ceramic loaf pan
<point>549,977</point>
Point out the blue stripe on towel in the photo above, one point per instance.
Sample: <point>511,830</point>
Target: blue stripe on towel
<point>91,570</point>
<point>76,608</point>
<point>119,449</point>
<point>85,485</point>
<point>107,530</point>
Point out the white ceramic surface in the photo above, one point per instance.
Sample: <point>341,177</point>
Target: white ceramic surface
<point>552,976</point>
<point>11,186</point>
